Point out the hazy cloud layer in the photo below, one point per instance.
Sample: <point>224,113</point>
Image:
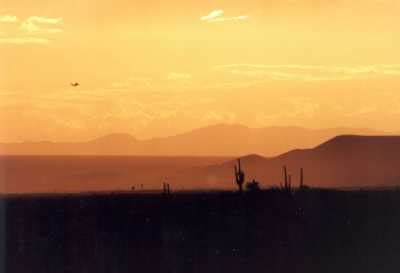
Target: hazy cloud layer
<point>172,79</point>
<point>156,110</point>
<point>309,72</point>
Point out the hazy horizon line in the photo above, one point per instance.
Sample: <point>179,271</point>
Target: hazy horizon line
<point>132,135</point>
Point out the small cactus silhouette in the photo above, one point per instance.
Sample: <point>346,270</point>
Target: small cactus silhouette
<point>166,189</point>
<point>253,186</point>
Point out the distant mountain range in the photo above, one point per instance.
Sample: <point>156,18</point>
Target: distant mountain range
<point>344,161</point>
<point>216,140</point>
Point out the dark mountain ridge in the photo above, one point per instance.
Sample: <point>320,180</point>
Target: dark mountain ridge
<point>344,161</point>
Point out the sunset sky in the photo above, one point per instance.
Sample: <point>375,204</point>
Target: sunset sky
<point>156,68</point>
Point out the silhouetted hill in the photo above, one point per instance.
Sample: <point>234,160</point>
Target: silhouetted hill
<point>216,140</point>
<point>344,161</point>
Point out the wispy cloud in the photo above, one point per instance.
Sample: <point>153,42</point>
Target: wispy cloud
<point>23,40</point>
<point>33,29</point>
<point>309,72</point>
<point>8,18</point>
<point>217,16</point>
<point>212,15</point>
<point>38,24</point>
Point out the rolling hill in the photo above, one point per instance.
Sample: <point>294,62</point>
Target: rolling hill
<point>343,161</point>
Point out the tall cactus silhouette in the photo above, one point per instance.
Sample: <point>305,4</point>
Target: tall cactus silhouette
<point>285,176</point>
<point>239,176</point>
<point>288,180</point>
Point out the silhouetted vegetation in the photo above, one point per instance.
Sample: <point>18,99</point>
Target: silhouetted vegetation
<point>271,231</point>
<point>239,176</point>
<point>253,186</point>
<point>287,187</point>
<point>166,189</point>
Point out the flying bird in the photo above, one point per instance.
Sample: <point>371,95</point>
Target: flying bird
<point>74,84</point>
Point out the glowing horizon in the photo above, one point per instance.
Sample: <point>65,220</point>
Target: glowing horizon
<point>156,69</point>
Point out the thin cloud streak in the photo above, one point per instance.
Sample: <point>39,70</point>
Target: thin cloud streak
<point>309,72</point>
<point>34,24</point>
<point>8,18</point>
<point>216,16</point>
<point>212,15</point>
<point>225,19</point>
<point>23,40</point>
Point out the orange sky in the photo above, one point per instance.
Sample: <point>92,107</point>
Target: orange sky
<point>153,68</point>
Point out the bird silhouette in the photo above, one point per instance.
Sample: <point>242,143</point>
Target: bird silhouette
<point>74,84</point>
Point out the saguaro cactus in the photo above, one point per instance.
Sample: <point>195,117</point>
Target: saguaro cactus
<point>239,176</point>
<point>288,180</point>
<point>285,176</point>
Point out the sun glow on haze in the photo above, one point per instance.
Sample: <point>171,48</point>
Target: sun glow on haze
<point>152,68</point>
